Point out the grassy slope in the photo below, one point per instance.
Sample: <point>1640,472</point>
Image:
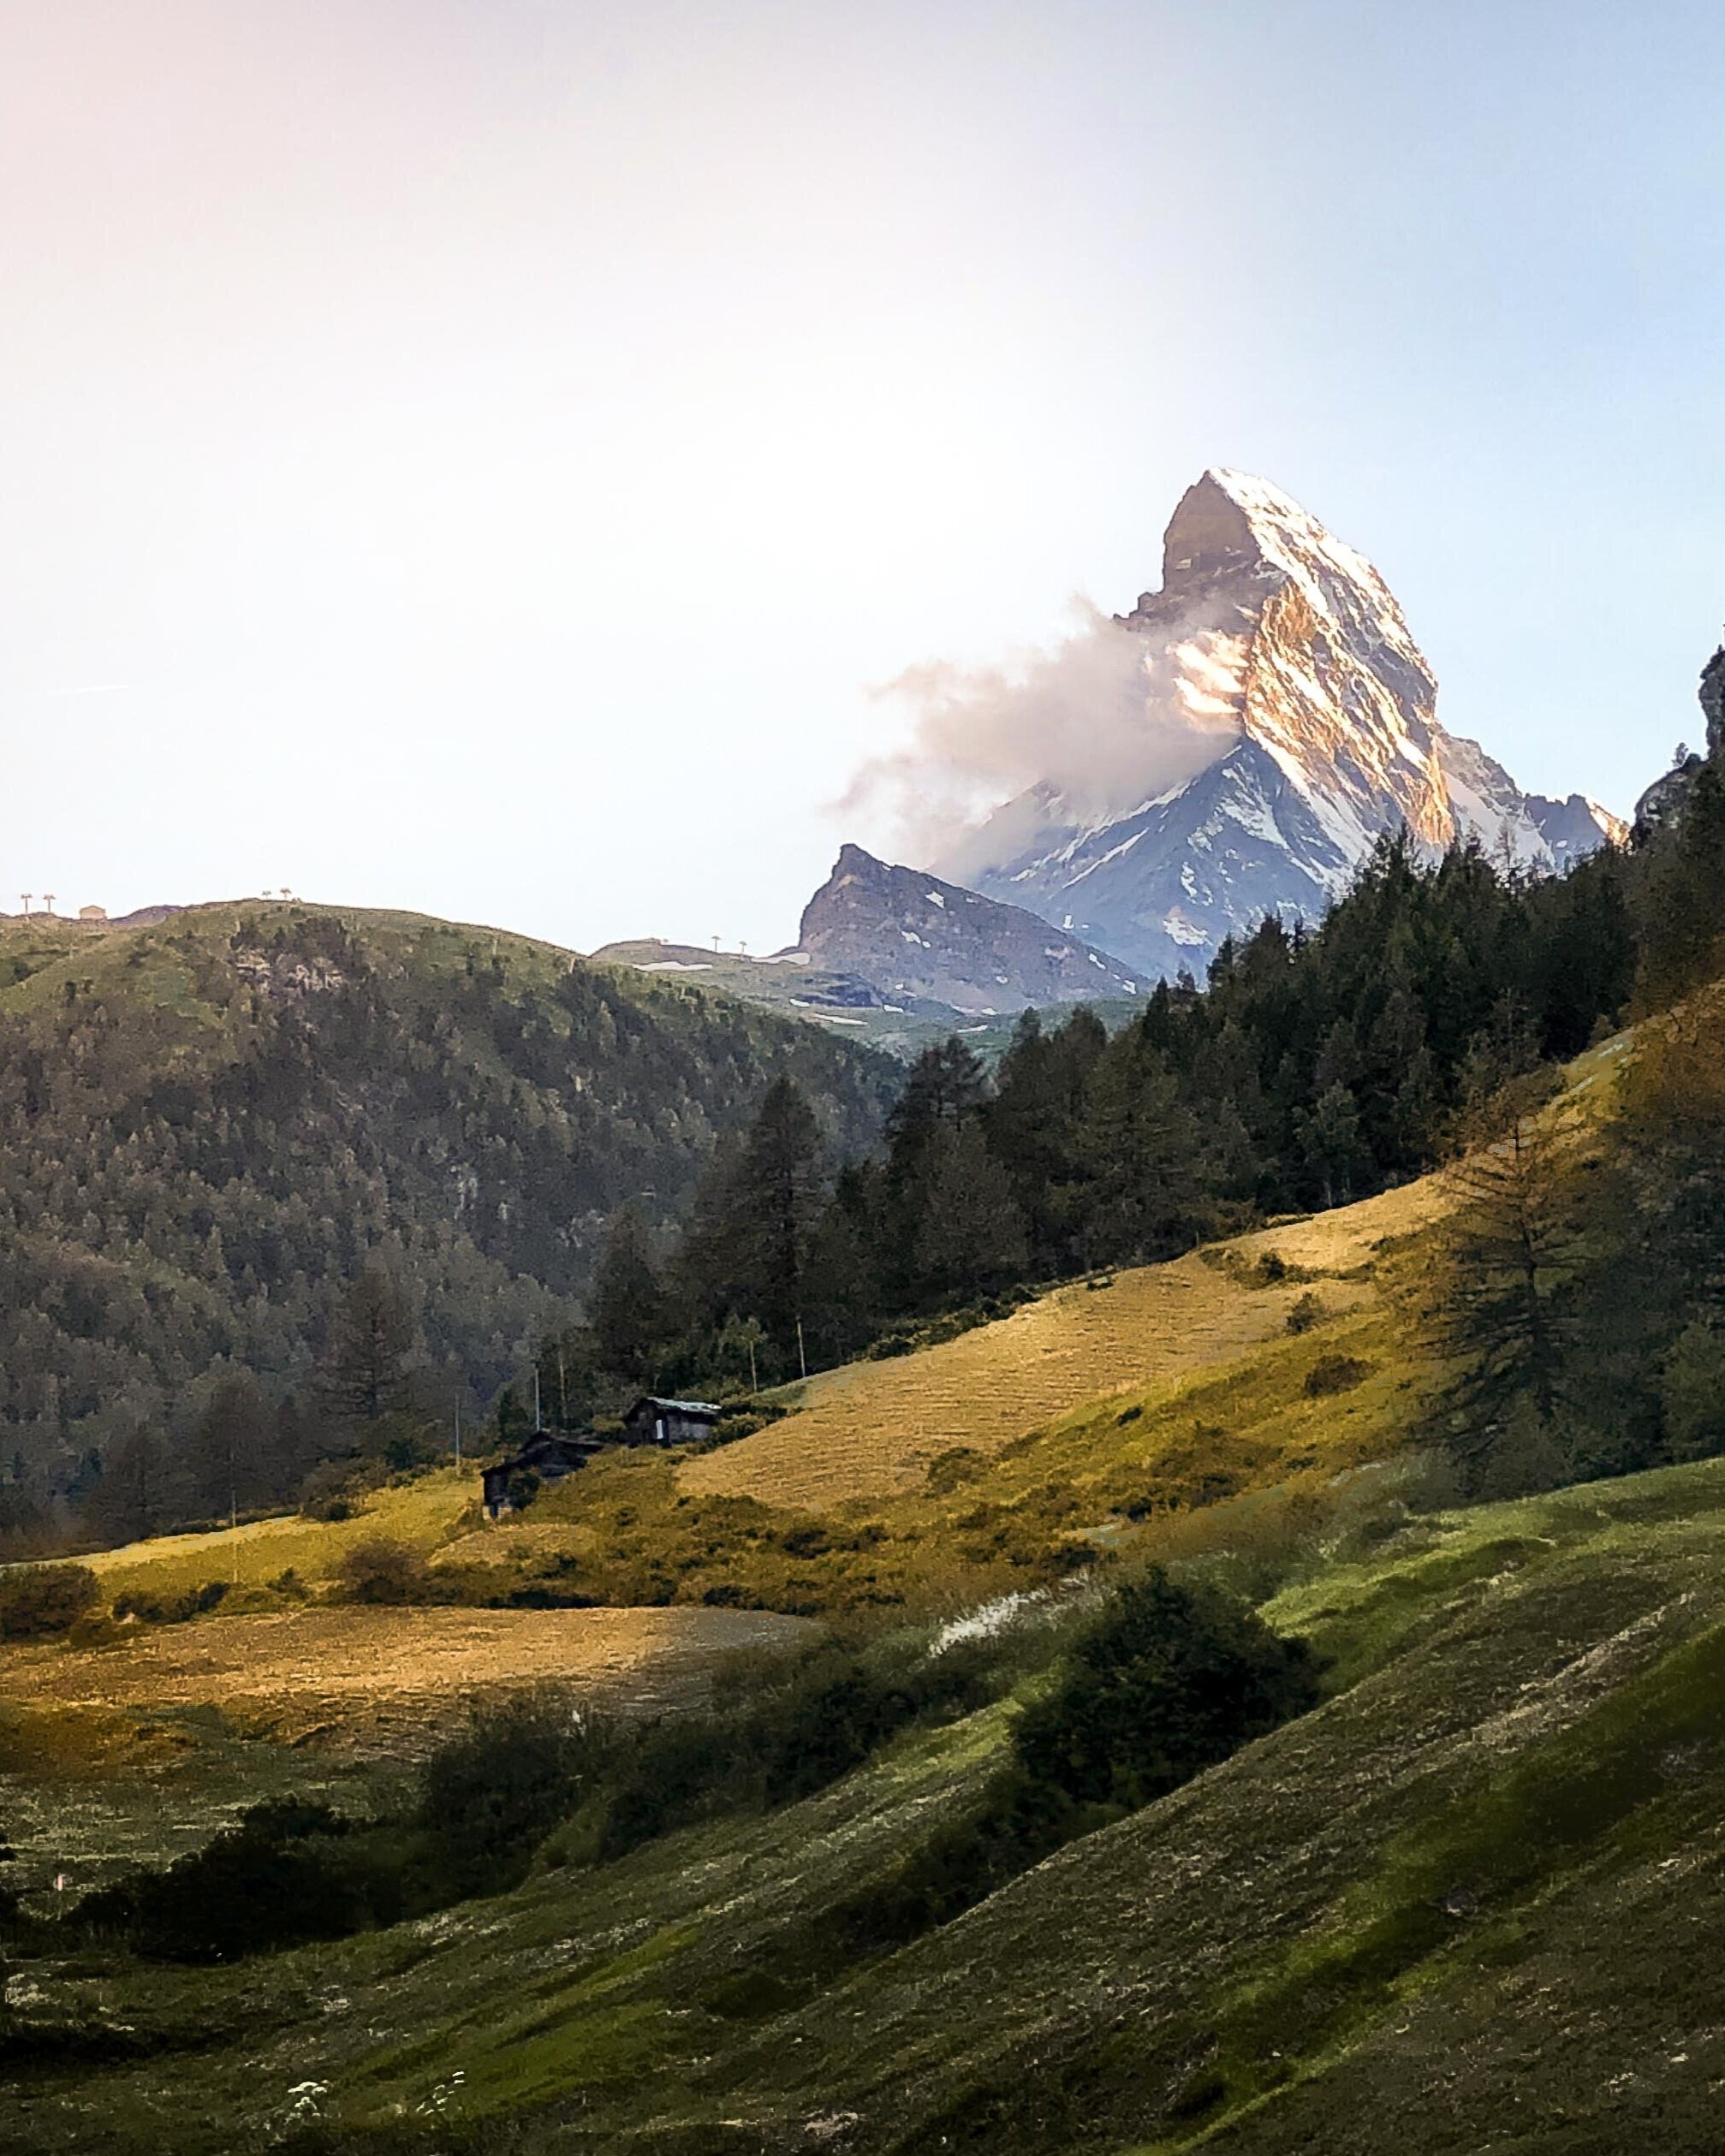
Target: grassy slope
<point>1471,1901</point>
<point>871,1429</point>
<point>1473,1895</point>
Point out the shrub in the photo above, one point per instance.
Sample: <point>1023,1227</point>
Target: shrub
<point>951,1470</point>
<point>1163,1682</point>
<point>1307,1312</point>
<point>780,1730</point>
<point>336,1489</point>
<point>285,1874</point>
<point>493,1792</point>
<point>1168,1680</point>
<point>1692,1392</point>
<point>1335,1373</point>
<point>41,1602</point>
<point>381,1570</point>
<point>171,1609</point>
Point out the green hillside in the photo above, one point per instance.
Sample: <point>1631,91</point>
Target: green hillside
<point>1479,1886</point>
<point>1468,1901</point>
<point>208,1125</point>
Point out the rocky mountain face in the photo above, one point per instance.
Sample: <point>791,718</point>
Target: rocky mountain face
<point>1287,648</point>
<point>1665,799</point>
<point>917,938</point>
<point>792,984</point>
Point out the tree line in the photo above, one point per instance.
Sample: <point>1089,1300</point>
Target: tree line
<point>1316,1067</point>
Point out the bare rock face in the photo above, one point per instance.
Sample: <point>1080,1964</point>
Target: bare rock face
<point>915,937</point>
<point>1665,800</point>
<point>1284,651</point>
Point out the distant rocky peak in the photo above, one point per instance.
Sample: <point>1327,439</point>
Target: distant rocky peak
<point>913,936</point>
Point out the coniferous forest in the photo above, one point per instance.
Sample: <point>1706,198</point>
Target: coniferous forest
<point>1315,1067</point>
<point>301,1195</point>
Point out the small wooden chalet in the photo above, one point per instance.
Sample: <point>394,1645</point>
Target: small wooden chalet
<point>548,1455</point>
<point>651,1421</point>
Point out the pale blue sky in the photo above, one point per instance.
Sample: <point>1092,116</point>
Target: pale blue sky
<point>476,454</point>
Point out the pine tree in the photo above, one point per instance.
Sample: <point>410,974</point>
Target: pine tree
<point>1034,1123</point>
<point>1333,1145</point>
<point>1146,1192</point>
<point>1682,908</point>
<point>778,1199</point>
<point>971,1240</point>
<point>629,1312</point>
<point>747,1251</point>
<point>138,1494</point>
<point>365,1368</point>
<point>1499,1302</point>
<point>232,1462</point>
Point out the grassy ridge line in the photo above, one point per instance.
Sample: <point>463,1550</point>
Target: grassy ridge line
<point>870,1429</point>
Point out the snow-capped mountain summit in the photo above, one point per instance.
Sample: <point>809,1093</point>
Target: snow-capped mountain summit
<point>1285,650</point>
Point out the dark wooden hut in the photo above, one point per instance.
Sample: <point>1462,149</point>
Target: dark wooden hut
<point>653,1421</point>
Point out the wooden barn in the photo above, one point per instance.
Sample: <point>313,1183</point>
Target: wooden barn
<point>653,1421</point>
<point>548,1455</point>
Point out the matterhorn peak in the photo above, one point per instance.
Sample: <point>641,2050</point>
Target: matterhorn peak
<point>1283,654</point>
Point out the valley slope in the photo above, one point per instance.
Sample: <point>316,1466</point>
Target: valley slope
<point>209,1123</point>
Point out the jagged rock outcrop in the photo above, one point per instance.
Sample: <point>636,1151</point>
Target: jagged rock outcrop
<point>1665,801</point>
<point>1287,648</point>
<point>913,936</point>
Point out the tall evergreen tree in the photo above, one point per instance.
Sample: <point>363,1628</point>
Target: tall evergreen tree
<point>629,1311</point>
<point>971,1240</point>
<point>233,1451</point>
<point>1500,1302</point>
<point>371,1340</point>
<point>1145,1192</point>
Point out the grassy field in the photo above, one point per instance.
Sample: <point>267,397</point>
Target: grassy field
<point>872,1430</point>
<point>1474,1901</point>
<point>134,1752</point>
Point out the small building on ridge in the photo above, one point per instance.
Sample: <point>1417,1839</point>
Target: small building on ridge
<point>653,1421</point>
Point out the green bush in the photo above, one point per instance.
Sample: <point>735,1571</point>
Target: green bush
<point>781,1728</point>
<point>1335,1373</point>
<point>41,1602</point>
<point>288,1873</point>
<point>1163,1682</point>
<point>1692,1392</point>
<point>1167,1681</point>
<point>493,1792</point>
<point>384,1571</point>
<point>172,1609</point>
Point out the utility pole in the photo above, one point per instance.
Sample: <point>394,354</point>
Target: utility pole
<point>458,1429</point>
<point>539,1419</point>
<point>27,896</point>
<point>48,900</point>
<point>802,1359</point>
